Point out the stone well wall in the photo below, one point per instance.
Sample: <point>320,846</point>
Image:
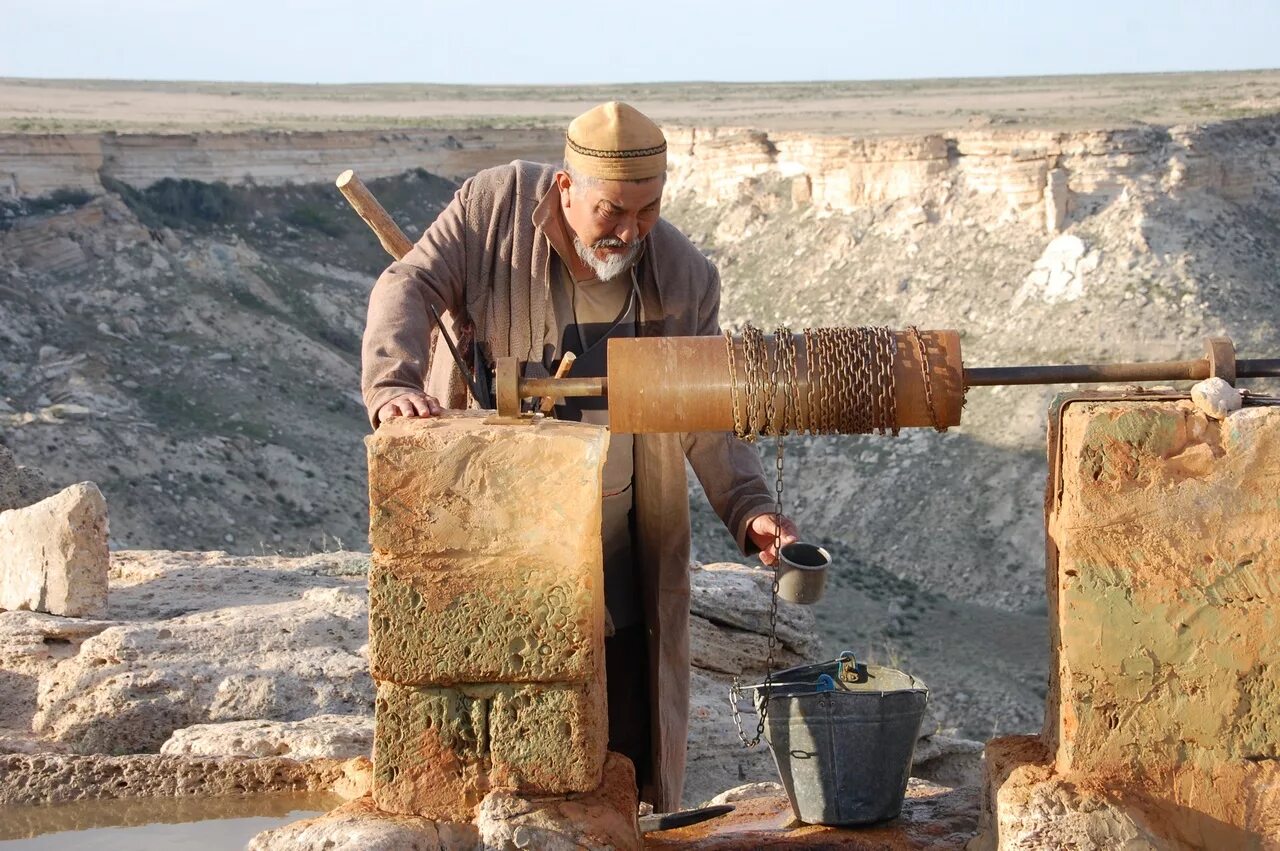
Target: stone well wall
<point>1162,724</point>
<point>486,612</point>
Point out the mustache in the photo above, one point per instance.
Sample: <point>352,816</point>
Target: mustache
<point>610,242</point>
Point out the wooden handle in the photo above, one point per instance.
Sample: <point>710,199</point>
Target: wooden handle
<point>566,362</point>
<point>375,216</point>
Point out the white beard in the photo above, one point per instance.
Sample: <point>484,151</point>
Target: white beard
<point>613,266</point>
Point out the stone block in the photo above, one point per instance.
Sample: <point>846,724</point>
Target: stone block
<point>453,487</point>
<point>440,622</point>
<point>549,739</point>
<point>53,554</point>
<point>1028,803</point>
<point>430,751</point>
<point>603,819</point>
<point>438,751</point>
<point>1167,589</point>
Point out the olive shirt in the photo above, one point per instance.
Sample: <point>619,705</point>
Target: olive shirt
<point>585,315</point>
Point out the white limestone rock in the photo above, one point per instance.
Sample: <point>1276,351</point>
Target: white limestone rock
<point>734,598</point>
<point>132,685</point>
<point>1216,398</point>
<point>602,820</point>
<point>53,554</point>
<point>335,736</point>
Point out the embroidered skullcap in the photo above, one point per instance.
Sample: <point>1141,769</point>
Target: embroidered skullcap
<point>615,141</point>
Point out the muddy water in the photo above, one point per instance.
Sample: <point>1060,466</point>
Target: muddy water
<point>143,824</point>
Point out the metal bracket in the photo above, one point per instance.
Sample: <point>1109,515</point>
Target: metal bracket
<point>1221,354</point>
<point>506,386</point>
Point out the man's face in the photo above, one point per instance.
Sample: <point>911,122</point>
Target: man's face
<point>610,217</point>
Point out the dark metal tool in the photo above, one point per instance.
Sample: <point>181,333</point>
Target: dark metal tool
<point>482,400</point>
<point>684,818</point>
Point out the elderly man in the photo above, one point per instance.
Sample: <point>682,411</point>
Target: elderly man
<point>535,262</point>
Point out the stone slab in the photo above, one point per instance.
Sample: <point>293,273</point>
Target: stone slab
<point>438,751</point>
<point>442,622</point>
<point>933,817</point>
<point>1167,589</point>
<point>453,486</point>
<point>56,778</point>
<point>360,826</point>
<point>53,554</point>
<point>320,736</point>
<point>1030,804</point>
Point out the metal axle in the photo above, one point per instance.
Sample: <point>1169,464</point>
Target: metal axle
<point>677,384</point>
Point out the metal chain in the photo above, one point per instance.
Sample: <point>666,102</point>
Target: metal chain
<point>928,379</point>
<point>851,390</point>
<point>738,428</point>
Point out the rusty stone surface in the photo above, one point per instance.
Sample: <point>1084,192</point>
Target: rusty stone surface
<point>549,738</point>
<point>438,751</point>
<point>933,817</point>
<point>453,487</point>
<point>516,619</point>
<point>486,612</point>
<point>1167,585</point>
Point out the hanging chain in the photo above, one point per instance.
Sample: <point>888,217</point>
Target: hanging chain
<point>851,389</point>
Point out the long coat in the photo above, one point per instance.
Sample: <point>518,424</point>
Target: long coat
<point>487,261</point>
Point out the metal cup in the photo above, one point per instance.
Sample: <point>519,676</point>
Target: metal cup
<point>802,572</point>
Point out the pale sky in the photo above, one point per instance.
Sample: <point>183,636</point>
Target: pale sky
<point>505,41</point>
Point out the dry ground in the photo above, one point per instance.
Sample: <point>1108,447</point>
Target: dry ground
<point>855,108</point>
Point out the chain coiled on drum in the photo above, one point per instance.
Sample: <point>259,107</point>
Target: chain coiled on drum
<point>850,382</point>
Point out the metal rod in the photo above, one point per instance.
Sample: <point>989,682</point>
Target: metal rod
<point>564,387</point>
<point>1105,373</point>
<point>988,376</point>
<point>1258,368</point>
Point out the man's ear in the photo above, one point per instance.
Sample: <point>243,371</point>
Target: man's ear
<point>564,183</point>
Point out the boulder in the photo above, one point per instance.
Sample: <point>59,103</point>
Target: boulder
<point>335,736</point>
<point>132,685</point>
<point>20,486</point>
<point>53,554</point>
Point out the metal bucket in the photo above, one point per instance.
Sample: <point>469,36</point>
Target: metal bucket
<point>842,736</point>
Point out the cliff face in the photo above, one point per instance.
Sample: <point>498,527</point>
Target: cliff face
<point>35,165</point>
<point>1040,177</point>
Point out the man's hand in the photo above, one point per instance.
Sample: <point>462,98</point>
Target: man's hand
<point>412,403</point>
<point>762,530</point>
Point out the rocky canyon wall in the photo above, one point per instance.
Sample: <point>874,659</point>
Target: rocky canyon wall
<point>35,165</point>
<point>1040,176</point>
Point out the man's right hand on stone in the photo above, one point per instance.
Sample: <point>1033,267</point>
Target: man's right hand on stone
<point>410,404</point>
